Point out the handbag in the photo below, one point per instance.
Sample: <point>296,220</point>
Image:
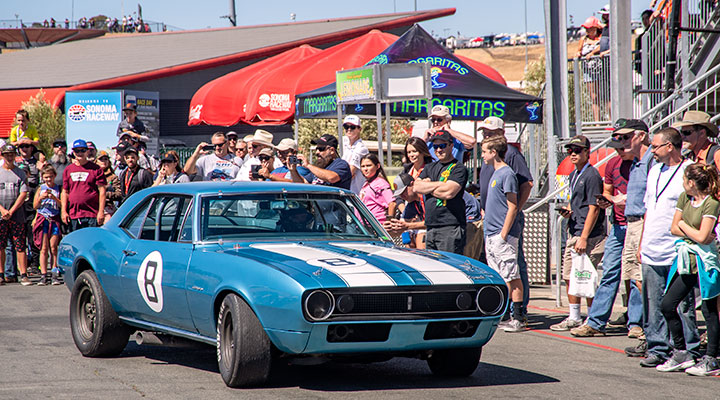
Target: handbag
<point>583,277</point>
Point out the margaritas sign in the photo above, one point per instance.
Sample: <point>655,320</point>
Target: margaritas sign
<point>356,85</point>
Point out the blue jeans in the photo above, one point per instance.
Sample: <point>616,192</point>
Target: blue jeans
<point>10,260</point>
<point>656,329</point>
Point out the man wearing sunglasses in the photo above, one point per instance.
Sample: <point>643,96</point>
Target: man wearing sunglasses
<point>31,165</point>
<point>443,182</point>
<point>329,169</point>
<point>440,119</point>
<point>233,144</point>
<point>287,153</point>
<point>353,150</point>
<point>586,225</point>
<point>696,128</point>
<point>260,140</point>
<point>59,159</point>
<point>13,192</point>
<point>216,166</point>
<point>83,191</point>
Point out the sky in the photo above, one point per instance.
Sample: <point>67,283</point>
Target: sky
<point>472,18</point>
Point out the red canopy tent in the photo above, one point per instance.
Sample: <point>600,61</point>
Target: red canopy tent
<point>218,101</point>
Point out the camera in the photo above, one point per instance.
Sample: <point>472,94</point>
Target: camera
<point>254,171</point>
<point>208,148</point>
<point>292,160</point>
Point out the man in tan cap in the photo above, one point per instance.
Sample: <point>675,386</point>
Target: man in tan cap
<point>216,166</point>
<point>262,139</point>
<point>695,128</point>
<point>291,170</point>
<point>440,119</point>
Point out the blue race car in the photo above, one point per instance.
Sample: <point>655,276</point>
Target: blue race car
<point>270,272</point>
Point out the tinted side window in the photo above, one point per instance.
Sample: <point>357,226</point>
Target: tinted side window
<point>133,225</point>
<point>172,216</point>
<point>148,228</point>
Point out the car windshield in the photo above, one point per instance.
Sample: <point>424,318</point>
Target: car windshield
<point>306,216</point>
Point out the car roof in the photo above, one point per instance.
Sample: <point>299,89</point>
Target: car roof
<point>234,187</point>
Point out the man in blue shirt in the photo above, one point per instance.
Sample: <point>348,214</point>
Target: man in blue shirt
<point>440,119</point>
<point>286,152</point>
<point>329,169</point>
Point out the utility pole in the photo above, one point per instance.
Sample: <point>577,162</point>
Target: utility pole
<point>232,16</point>
<point>621,60</point>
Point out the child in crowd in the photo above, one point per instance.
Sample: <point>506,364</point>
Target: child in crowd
<point>694,222</point>
<point>46,229</point>
<point>376,193</point>
<point>502,229</point>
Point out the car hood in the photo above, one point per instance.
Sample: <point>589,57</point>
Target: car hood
<point>364,264</point>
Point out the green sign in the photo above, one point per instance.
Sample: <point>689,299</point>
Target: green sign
<point>355,85</point>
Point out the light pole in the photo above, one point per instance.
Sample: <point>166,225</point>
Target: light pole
<point>17,20</point>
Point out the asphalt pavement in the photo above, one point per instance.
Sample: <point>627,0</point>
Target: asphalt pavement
<point>38,359</point>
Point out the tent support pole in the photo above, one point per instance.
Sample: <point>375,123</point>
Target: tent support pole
<point>297,127</point>
<point>388,134</point>
<point>340,130</point>
<point>378,117</point>
<point>475,155</point>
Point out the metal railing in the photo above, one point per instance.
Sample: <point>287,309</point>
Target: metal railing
<point>591,82</point>
<point>154,26</point>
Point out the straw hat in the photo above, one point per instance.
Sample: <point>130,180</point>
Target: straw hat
<point>263,137</point>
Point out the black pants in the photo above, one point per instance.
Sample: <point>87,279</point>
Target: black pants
<point>446,238</point>
<point>680,287</point>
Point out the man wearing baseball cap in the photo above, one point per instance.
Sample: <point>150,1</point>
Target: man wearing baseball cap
<point>134,178</point>
<point>586,225</point>
<point>696,128</point>
<point>287,153</point>
<point>491,127</point>
<point>440,119</point>
<point>353,150</point>
<point>83,191</point>
<point>59,159</point>
<point>131,125</point>
<point>329,169</point>
<point>443,182</point>
<point>13,192</point>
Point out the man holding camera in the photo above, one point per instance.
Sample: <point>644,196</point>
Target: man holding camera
<point>260,140</point>
<point>287,153</point>
<point>329,169</point>
<point>216,166</point>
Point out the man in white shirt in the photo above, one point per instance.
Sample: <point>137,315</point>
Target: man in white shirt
<point>216,166</point>
<point>261,140</point>
<point>353,150</point>
<point>657,247</point>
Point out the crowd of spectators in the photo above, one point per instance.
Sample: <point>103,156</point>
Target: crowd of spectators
<point>126,24</point>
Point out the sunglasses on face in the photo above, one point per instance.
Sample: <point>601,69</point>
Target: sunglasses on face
<point>348,127</point>
<point>575,150</point>
<point>255,146</point>
<point>264,158</point>
<point>219,144</point>
<point>441,146</point>
<point>103,159</point>
<point>80,151</point>
<point>687,132</point>
<point>24,146</point>
<point>321,148</point>
<point>620,137</point>
<point>58,145</point>
<point>437,119</point>
<point>658,147</point>
<point>232,139</point>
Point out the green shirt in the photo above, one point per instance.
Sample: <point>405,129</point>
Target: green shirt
<point>693,215</point>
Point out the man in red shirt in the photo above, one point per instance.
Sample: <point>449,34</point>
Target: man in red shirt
<point>83,190</point>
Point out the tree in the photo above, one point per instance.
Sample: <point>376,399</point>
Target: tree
<point>50,122</point>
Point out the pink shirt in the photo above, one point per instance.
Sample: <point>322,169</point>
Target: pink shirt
<point>376,196</point>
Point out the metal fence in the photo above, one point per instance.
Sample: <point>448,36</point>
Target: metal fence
<point>19,23</point>
<point>591,90</point>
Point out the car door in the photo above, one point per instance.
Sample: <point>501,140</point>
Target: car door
<point>155,262</point>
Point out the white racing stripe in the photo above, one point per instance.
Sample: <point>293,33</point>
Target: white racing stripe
<point>356,272</point>
<point>438,273</point>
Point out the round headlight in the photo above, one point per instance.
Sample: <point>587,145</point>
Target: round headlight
<point>490,300</point>
<point>319,305</point>
<point>345,303</point>
<point>464,301</point>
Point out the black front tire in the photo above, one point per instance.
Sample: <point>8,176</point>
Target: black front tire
<point>96,328</point>
<point>455,362</point>
<point>243,348</point>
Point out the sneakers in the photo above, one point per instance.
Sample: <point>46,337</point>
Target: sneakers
<point>622,320</point>
<point>25,281</point>
<point>44,281</point>
<point>566,325</point>
<point>10,279</point>
<point>637,351</point>
<point>56,281</point>
<point>504,324</point>
<point>707,366</point>
<point>652,361</point>
<point>636,332</point>
<point>586,331</point>
<point>680,361</point>
<point>515,325</point>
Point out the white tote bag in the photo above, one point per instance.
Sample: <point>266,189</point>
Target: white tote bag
<point>584,277</point>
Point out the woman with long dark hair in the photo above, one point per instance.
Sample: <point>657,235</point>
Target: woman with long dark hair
<point>376,193</point>
<point>417,154</point>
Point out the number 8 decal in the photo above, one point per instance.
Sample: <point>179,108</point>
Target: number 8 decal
<point>149,280</point>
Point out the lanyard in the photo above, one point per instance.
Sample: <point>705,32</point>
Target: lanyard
<point>443,178</point>
<point>657,184</point>
<point>573,181</point>
<point>130,174</point>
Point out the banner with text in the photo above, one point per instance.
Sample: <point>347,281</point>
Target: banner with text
<point>93,116</point>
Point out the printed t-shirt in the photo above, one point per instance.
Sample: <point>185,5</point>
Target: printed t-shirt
<point>584,185</point>
<point>213,168</point>
<point>81,183</point>
<point>617,173</point>
<point>352,154</point>
<point>440,212</point>
<point>502,182</point>
<point>376,195</point>
<point>12,183</point>
<point>340,167</point>
<point>664,186</point>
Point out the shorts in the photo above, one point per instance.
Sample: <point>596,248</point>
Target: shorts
<point>50,226</point>
<point>446,238</point>
<point>595,250</point>
<point>502,256</point>
<point>15,230</point>
<point>631,268</point>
